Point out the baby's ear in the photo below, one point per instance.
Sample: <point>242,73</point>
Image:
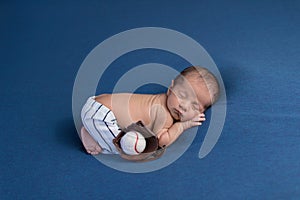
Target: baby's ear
<point>170,87</point>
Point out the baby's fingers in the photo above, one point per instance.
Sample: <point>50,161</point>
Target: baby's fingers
<point>195,123</point>
<point>200,118</point>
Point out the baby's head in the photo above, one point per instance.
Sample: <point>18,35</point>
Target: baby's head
<point>192,92</point>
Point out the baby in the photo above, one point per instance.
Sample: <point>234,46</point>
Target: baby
<point>167,115</point>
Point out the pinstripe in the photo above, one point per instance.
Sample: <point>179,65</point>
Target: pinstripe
<point>107,125</point>
<point>89,109</point>
<point>89,130</point>
<point>96,111</point>
<point>106,115</point>
<point>84,117</point>
<point>100,121</point>
<point>110,130</point>
<point>98,131</point>
<point>94,123</point>
<point>86,126</point>
<point>101,135</point>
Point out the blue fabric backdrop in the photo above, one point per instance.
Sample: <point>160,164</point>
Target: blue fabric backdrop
<point>256,46</point>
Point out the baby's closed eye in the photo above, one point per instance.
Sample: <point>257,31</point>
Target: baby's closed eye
<point>182,94</point>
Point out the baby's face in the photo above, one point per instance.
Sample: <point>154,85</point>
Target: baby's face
<point>187,99</point>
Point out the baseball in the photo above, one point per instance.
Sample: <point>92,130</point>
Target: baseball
<point>133,143</point>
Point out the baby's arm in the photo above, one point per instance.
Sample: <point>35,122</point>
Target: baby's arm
<point>168,136</point>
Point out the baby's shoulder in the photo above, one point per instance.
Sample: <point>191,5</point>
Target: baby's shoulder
<point>161,114</point>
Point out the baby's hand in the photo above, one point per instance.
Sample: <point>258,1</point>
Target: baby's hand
<point>196,121</point>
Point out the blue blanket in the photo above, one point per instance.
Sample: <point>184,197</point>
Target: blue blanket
<point>254,44</point>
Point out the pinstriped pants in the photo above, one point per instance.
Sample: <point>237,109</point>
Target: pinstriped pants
<point>101,124</point>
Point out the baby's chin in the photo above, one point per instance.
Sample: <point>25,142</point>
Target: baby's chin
<point>180,119</point>
<point>175,117</point>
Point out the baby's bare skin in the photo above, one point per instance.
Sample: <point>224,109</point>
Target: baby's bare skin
<point>90,145</point>
<point>130,108</point>
<point>167,115</point>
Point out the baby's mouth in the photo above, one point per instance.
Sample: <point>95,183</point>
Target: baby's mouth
<point>178,113</point>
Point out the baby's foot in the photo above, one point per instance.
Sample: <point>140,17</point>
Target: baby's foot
<point>90,145</point>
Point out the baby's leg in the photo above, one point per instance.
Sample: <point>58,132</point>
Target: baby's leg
<point>90,145</point>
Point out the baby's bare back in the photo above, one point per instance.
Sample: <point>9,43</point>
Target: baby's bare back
<point>130,108</point>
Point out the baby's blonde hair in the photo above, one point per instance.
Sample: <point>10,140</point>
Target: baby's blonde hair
<point>202,74</point>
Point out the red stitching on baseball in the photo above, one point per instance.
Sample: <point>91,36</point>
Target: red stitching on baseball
<point>136,142</point>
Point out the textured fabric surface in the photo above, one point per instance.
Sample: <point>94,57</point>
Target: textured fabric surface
<point>256,46</point>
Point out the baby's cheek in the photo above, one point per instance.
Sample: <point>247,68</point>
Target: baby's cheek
<point>188,116</point>
<point>195,114</point>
